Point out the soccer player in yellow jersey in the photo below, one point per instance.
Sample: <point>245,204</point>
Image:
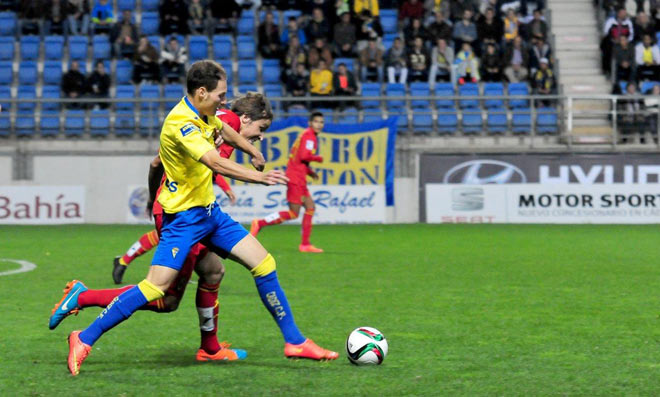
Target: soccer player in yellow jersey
<point>191,215</point>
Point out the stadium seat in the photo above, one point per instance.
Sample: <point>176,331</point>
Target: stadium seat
<point>125,92</point>
<point>422,123</point>
<point>99,123</point>
<point>394,90</point>
<point>493,89</point>
<point>53,47</point>
<point>521,121</point>
<point>419,90</point>
<point>149,124</point>
<point>222,47</point>
<point>49,124</point>
<point>246,47</point>
<point>389,20</point>
<point>78,47</point>
<point>276,16</point>
<point>150,5</point>
<point>246,24</point>
<point>26,92</point>
<point>6,48</point>
<point>30,47</point>
<point>647,86</point>
<point>124,123</point>
<point>198,48</point>
<point>5,95</point>
<point>150,23</point>
<point>173,91</point>
<point>348,116</point>
<point>155,41</point>
<point>518,89</point>
<point>74,123</point>
<point>443,90</point>
<point>25,124</point>
<point>388,40</point>
<point>273,90</point>
<point>247,72</point>
<point>546,121</point>
<point>349,62</point>
<point>50,92</point>
<point>5,124</point>
<point>149,91</point>
<point>123,72</point>
<point>8,23</point>
<point>371,90</point>
<point>228,66</point>
<point>372,117</point>
<point>101,47</point>
<point>447,121</point>
<point>243,88</point>
<point>126,5</point>
<point>402,122</point>
<point>468,89</point>
<point>6,72</point>
<point>270,72</point>
<point>290,13</point>
<point>497,121</point>
<point>472,122</point>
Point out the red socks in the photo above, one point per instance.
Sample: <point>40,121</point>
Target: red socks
<point>143,245</point>
<point>207,309</point>
<point>103,297</point>
<point>307,226</point>
<point>276,218</point>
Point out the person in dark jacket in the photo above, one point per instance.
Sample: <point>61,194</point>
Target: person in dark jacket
<point>73,84</point>
<point>98,84</point>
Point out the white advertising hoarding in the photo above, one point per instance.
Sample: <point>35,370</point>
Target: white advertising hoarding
<point>40,205</point>
<point>536,203</point>
<point>334,204</point>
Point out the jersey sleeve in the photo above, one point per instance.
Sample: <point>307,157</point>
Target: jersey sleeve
<point>307,149</point>
<point>222,183</point>
<point>192,141</point>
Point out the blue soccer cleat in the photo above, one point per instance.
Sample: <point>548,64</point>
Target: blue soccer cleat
<point>68,305</point>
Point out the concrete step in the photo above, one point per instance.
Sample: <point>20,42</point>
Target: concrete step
<point>565,8</point>
<point>592,105</point>
<point>573,40</point>
<point>578,79</point>
<point>586,89</point>
<point>578,71</point>
<point>559,23</point>
<point>567,61</point>
<point>604,131</point>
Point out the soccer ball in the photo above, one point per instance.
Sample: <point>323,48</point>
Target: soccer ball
<point>366,345</point>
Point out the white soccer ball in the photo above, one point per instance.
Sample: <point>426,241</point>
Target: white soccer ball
<point>366,345</point>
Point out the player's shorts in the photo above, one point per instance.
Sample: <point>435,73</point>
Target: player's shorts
<point>207,225</point>
<point>296,192</point>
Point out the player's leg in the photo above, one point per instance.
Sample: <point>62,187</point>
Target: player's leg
<point>305,245</point>
<point>140,247</point>
<point>293,196</point>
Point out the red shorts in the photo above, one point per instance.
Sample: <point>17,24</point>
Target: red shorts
<point>197,252</point>
<point>296,192</point>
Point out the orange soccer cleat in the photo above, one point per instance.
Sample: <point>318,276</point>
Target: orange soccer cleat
<point>78,351</point>
<point>309,349</point>
<point>224,354</point>
<point>309,248</point>
<point>254,227</point>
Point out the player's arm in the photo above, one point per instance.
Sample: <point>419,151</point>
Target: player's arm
<point>306,154</point>
<point>233,138</point>
<point>156,171</point>
<point>233,170</point>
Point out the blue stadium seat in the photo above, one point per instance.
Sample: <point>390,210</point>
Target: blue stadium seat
<point>243,88</point>
<point>247,72</point>
<point>6,48</point>
<point>50,92</point>
<point>228,66</point>
<point>5,95</point>
<point>74,123</point>
<point>270,72</point>
<point>149,124</point>
<point>546,121</point>
<point>419,90</point>
<point>78,47</point>
<point>124,71</point>
<point>150,23</point>
<point>173,91</point>
<point>246,47</point>
<point>348,116</point>
<point>272,90</point>
<point>497,121</point>
<point>422,123</point>
<point>25,124</point>
<point>30,47</point>
<point>388,40</point>
<point>52,73</point>
<point>493,89</point>
<point>26,92</point>
<point>276,16</point>
<point>126,5</point>
<point>402,122</point>
<point>101,47</point>
<point>245,25</point>
<point>443,90</point>
<point>155,41</point>
<point>393,90</point>
<point>447,121</point>
<point>222,46</point>
<point>8,23</point>
<point>290,13</point>
<point>124,123</point>
<point>371,89</point>
<point>198,48</point>
<point>472,121</point>
<point>125,92</point>
<point>53,47</point>
<point>6,72</point>
<point>49,125</point>
<point>150,5</point>
<point>372,117</point>
<point>468,89</point>
<point>349,62</point>
<point>647,86</point>
<point>521,121</point>
<point>518,89</point>
<point>149,91</point>
<point>99,123</point>
<point>5,124</point>
<point>389,20</point>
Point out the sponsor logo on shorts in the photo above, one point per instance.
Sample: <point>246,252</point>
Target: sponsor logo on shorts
<point>174,252</point>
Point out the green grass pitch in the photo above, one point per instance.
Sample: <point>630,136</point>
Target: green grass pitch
<point>467,310</point>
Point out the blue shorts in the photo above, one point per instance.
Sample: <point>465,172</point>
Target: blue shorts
<point>208,225</point>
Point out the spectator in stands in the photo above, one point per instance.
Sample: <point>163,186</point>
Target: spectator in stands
<point>489,28</point>
<point>410,9</point>
<point>440,28</point>
<point>396,62</point>
<point>30,14</point>
<point>320,50</point>
<point>647,58</point>
<point>652,107</point>
<point>467,69</point>
<point>320,83</point>
<point>269,38</point>
<point>544,81</point>
<point>491,65</point>
<point>103,17</point>
<point>369,28</point>
<point>125,36</point>
<point>419,61</point>
<point>56,21</point>
<point>371,5</point>
<point>307,7</point>
<point>465,31</point>
<point>442,59</point>
<point>511,26</point>
<point>73,85</point>
<point>318,26</point>
<point>619,25</point>
<point>145,62</point>
<point>540,49</point>
<point>517,61</point>
<point>345,37</point>
<point>624,61</point>
<point>435,7</point>
<point>643,25</point>
<point>98,84</point>
<point>224,16</point>
<point>343,84</point>
<point>78,14</point>
<point>297,84</point>
<point>371,62</point>
<point>291,30</point>
<point>537,27</point>
<point>197,22</point>
<point>458,8</point>
<point>342,6</point>
<point>294,55</point>
<point>414,30</point>
<point>173,17</point>
<point>630,115</point>
<point>173,60</point>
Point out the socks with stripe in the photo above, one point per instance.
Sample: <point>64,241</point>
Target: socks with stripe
<point>103,297</point>
<point>208,306</point>
<point>307,226</point>
<point>276,218</point>
<point>140,247</point>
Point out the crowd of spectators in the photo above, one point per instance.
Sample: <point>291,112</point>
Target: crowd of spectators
<point>76,85</point>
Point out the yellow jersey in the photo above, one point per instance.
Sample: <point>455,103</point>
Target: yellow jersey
<point>184,139</point>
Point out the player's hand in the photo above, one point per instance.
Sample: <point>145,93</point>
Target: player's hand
<point>258,161</point>
<point>320,159</point>
<point>217,137</point>
<point>231,196</point>
<point>150,208</point>
<point>314,175</point>
<point>274,177</point>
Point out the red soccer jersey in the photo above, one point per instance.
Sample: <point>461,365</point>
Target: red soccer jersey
<point>302,153</point>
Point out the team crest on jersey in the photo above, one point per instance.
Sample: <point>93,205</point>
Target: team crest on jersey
<point>174,252</point>
<point>188,128</point>
<point>309,145</point>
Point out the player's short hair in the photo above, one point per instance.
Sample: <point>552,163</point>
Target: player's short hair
<point>205,74</point>
<point>315,115</point>
<point>254,105</point>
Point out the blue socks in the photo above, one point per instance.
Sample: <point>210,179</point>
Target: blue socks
<point>275,301</point>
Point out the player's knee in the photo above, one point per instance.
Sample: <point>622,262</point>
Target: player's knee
<point>170,304</point>
<point>294,213</point>
<point>265,267</point>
